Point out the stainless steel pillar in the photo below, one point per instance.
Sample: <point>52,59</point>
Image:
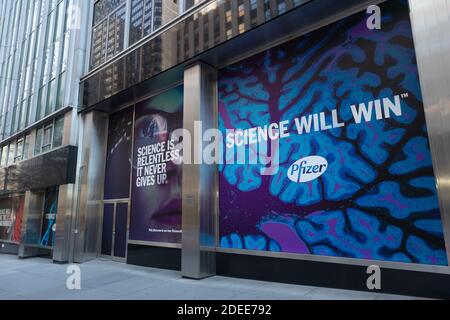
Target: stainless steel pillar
<point>91,178</point>
<point>431,28</point>
<point>31,224</point>
<point>200,188</point>
<point>63,224</point>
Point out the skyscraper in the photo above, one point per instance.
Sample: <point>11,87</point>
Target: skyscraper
<point>42,45</point>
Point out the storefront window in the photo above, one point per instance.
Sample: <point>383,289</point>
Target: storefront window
<point>49,218</point>
<point>117,173</point>
<point>11,215</point>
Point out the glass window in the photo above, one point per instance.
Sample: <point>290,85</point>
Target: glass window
<point>65,54</point>
<point>99,44</point>
<point>26,146</point>
<point>60,18</point>
<point>42,102</point>
<point>15,118</point>
<point>28,115</point>
<point>148,25</point>
<point>136,20</point>
<point>23,113</point>
<point>58,135</point>
<point>108,33</point>
<point>11,153</point>
<point>47,138</point>
<point>149,15</point>
<point>56,58</point>
<point>19,150</point>
<point>116,32</point>
<point>4,158</point>
<point>102,8</point>
<point>160,18</point>
<point>51,100</point>
<point>48,50</point>
<point>47,231</point>
<point>38,144</point>
<point>61,91</point>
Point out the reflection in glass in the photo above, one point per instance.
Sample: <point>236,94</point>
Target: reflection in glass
<point>99,43</point>
<point>108,35</point>
<point>103,8</point>
<point>204,28</point>
<point>49,218</point>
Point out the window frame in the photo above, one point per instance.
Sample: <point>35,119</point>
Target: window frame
<point>17,157</point>
<point>47,146</point>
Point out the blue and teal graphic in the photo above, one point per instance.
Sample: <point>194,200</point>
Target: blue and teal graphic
<point>49,218</point>
<point>377,198</point>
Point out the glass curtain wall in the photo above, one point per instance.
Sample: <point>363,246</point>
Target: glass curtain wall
<point>34,38</point>
<point>118,24</point>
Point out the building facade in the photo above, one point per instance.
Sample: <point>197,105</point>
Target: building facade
<point>287,140</point>
<point>43,45</point>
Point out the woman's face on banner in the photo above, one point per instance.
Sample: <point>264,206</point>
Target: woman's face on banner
<point>163,199</point>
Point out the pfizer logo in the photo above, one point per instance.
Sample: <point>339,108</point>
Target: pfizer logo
<point>307,169</point>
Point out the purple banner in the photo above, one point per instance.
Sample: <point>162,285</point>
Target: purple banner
<point>156,189</point>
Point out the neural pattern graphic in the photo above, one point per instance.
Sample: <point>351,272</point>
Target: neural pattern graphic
<point>378,199</point>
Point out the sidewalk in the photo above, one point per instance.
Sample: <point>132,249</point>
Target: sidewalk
<point>105,280</point>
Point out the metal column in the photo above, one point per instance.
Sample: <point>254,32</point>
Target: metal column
<point>200,181</point>
<point>63,231</point>
<point>91,178</point>
<point>31,224</point>
<point>431,26</point>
